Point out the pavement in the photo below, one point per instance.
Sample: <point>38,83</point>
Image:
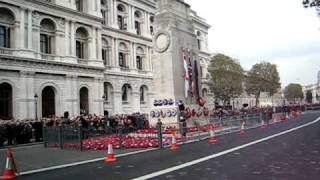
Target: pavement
<point>291,155</point>
<point>36,157</point>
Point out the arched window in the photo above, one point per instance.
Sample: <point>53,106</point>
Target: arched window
<point>143,94</point>
<point>48,102</point>
<point>5,101</point>
<point>151,25</point>
<point>106,52</point>
<point>123,53</point>
<point>121,17</point>
<point>6,24</point>
<point>84,100</point>
<point>199,39</point>
<point>126,90</point>
<point>47,34</point>
<point>137,22</point>
<point>107,92</point>
<point>139,58</point>
<point>82,43</point>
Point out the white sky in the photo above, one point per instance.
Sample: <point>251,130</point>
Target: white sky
<point>278,31</point>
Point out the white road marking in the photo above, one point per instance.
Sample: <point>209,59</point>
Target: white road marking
<point>81,162</point>
<point>191,163</point>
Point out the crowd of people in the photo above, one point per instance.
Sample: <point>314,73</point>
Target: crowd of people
<point>15,132</point>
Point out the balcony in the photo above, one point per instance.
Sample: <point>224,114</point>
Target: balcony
<point>82,61</point>
<point>6,51</point>
<point>125,69</point>
<point>48,57</point>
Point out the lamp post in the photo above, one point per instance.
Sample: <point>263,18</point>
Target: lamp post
<point>36,106</point>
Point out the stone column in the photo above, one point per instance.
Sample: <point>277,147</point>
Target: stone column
<point>99,44</point>
<point>116,60</point>
<point>110,12</point>
<point>72,39</point>
<point>130,18</point>
<point>92,45</point>
<point>117,97</point>
<point>98,8</point>
<point>67,38</point>
<point>150,59</point>
<point>113,54</point>
<point>30,29</point>
<point>146,25</point>
<point>133,56</point>
<point>146,60</point>
<point>136,106</point>
<point>115,12</point>
<point>22,29</point>
<point>27,92</point>
<point>75,96</point>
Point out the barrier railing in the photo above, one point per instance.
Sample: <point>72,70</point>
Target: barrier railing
<point>93,138</point>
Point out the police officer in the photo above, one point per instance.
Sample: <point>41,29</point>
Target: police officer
<point>182,117</point>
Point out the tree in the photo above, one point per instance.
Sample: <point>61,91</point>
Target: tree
<point>293,92</point>
<point>227,78</point>
<point>309,96</point>
<point>263,77</point>
<point>311,3</point>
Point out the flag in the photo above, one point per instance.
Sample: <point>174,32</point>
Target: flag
<point>186,74</point>
<point>318,11</point>
<point>190,73</point>
<point>196,82</point>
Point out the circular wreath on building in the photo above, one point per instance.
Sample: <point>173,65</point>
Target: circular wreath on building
<point>162,41</point>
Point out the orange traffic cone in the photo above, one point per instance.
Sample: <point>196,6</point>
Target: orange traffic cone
<point>212,139</point>
<point>10,170</point>
<point>242,130</point>
<point>110,156</point>
<point>174,145</point>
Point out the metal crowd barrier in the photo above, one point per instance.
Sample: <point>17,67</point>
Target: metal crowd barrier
<point>195,129</point>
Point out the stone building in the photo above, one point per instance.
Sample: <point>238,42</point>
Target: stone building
<point>78,56</point>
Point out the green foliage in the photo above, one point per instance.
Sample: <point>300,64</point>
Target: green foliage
<point>309,96</point>
<point>227,77</point>
<point>263,77</point>
<point>293,92</point>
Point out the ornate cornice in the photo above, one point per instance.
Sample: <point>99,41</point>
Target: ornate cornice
<point>37,65</point>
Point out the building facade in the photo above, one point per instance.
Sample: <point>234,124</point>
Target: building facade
<point>81,56</point>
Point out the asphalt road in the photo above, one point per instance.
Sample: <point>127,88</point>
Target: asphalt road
<point>295,155</point>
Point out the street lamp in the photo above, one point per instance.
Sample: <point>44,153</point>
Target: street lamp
<point>36,105</point>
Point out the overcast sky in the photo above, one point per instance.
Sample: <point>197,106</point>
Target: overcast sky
<point>278,31</point>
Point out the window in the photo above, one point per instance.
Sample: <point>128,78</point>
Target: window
<point>139,62</point>
<point>81,43</point>
<point>104,18</point>
<point>47,36</point>
<point>4,37</point>
<point>105,56</point>
<point>79,50</point>
<point>125,93</point>
<point>151,27</point>
<point>151,30</point>
<point>121,24</point>
<point>79,5</point>
<point>45,42</point>
<point>137,27</point>
<point>122,60</point>
<point>142,94</point>
<point>199,44</point>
